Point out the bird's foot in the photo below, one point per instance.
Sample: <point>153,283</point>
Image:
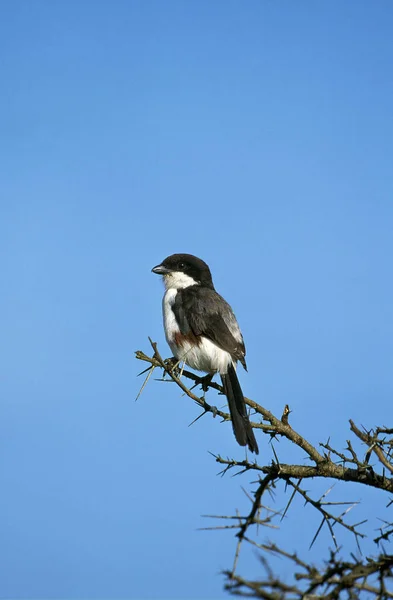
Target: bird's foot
<point>205,382</point>
<point>173,366</point>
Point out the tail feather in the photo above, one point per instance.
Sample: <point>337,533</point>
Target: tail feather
<point>240,422</point>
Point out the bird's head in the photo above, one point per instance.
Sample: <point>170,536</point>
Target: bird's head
<point>183,270</point>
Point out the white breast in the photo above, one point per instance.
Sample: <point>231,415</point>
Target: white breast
<point>170,324</point>
<point>206,357</point>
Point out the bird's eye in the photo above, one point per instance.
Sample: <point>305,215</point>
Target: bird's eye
<point>181,265</point>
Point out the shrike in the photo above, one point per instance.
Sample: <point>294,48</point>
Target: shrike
<point>202,331</point>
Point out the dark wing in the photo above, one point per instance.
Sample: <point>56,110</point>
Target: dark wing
<point>204,312</point>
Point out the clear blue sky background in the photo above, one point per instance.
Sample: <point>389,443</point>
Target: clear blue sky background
<point>257,135</point>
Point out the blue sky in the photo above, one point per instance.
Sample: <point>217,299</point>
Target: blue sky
<point>257,135</point>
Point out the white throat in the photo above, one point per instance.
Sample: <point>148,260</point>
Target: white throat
<point>178,280</point>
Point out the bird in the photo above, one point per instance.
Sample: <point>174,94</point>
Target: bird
<point>202,331</point>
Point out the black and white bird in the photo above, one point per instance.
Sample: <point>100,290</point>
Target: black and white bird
<point>202,331</point>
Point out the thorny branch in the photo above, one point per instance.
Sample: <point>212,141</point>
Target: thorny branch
<point>367,575</point>
<point>310,582</point>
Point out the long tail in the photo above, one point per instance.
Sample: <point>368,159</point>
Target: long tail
<point>241,425</point>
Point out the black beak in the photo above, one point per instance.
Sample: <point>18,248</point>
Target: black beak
<point>160,270</point>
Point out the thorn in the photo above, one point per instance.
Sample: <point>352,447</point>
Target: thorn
<point>197,418</point>
<point>150,369</point>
